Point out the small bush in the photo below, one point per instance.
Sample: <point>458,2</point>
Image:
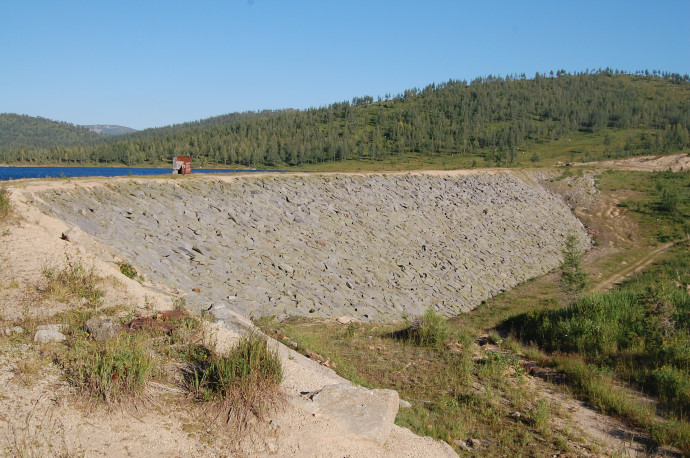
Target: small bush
<point>120,367</point>
<point>540,415</point>
<point>429,330</point>
<point>668,202</point>
<point>350,330</point>
<point>245,382</point>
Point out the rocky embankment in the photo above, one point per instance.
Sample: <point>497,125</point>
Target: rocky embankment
<point>373,247</point>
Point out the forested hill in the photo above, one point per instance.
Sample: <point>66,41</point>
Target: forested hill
<point>25,135</point>
<point>204,123</point>
<point>494,117</point>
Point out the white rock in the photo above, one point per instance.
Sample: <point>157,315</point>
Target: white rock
<point>345,319</point>
<point>363,413</point>
<point>46,336</point>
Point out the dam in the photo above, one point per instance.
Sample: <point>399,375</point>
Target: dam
<point>374,247</point>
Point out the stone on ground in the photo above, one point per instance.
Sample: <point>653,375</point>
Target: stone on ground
<point>363,413</point>
<point>102,328</point>
<point>48,335</point>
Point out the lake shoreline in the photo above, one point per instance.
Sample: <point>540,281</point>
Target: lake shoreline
<point>11,172</point>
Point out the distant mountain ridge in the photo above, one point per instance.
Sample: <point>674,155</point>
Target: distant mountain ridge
<point>108,129</point>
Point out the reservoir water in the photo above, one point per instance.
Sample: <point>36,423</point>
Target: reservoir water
<point>15,173</point>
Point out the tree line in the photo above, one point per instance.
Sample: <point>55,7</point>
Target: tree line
<point>493,116</point>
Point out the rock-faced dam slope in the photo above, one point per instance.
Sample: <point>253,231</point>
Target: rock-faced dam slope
<point>373,247</point>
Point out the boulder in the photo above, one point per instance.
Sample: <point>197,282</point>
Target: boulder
<point>360,412</point>
<point>102,328</point>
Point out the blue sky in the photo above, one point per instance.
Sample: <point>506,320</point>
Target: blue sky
<point>153,63</point>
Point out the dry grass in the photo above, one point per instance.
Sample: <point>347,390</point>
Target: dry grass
<point>72,281</point>
<point>4,203</point>
<point>112,372</point>
<point>429,330</point>
<point>27,369</point>
<point>162,350</point>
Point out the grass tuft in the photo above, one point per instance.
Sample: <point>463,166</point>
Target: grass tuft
<point>429,330</point>
<point>114,371</point>
<point>245,382</point>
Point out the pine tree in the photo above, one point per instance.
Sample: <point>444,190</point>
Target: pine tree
<point>573,278</point>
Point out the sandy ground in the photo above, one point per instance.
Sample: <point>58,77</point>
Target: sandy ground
<point>674,162</point>
<point>41,415</point>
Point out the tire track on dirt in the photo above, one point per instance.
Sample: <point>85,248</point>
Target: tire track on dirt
<point>638,266</point>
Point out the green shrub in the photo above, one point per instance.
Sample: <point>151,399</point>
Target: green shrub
<point>245,382</point>
<point>540,415</point>
<point>127,270</point>
<point>350,330</point>
<point>668,202</point>
<point>673,386</point>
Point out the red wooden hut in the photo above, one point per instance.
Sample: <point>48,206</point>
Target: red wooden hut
<point>182,165</point>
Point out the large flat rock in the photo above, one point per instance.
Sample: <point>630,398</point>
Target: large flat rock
<point>359,412</point>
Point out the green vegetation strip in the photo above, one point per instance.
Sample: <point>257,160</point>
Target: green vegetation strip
<point>458,391</point>
<point>640,333</point>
